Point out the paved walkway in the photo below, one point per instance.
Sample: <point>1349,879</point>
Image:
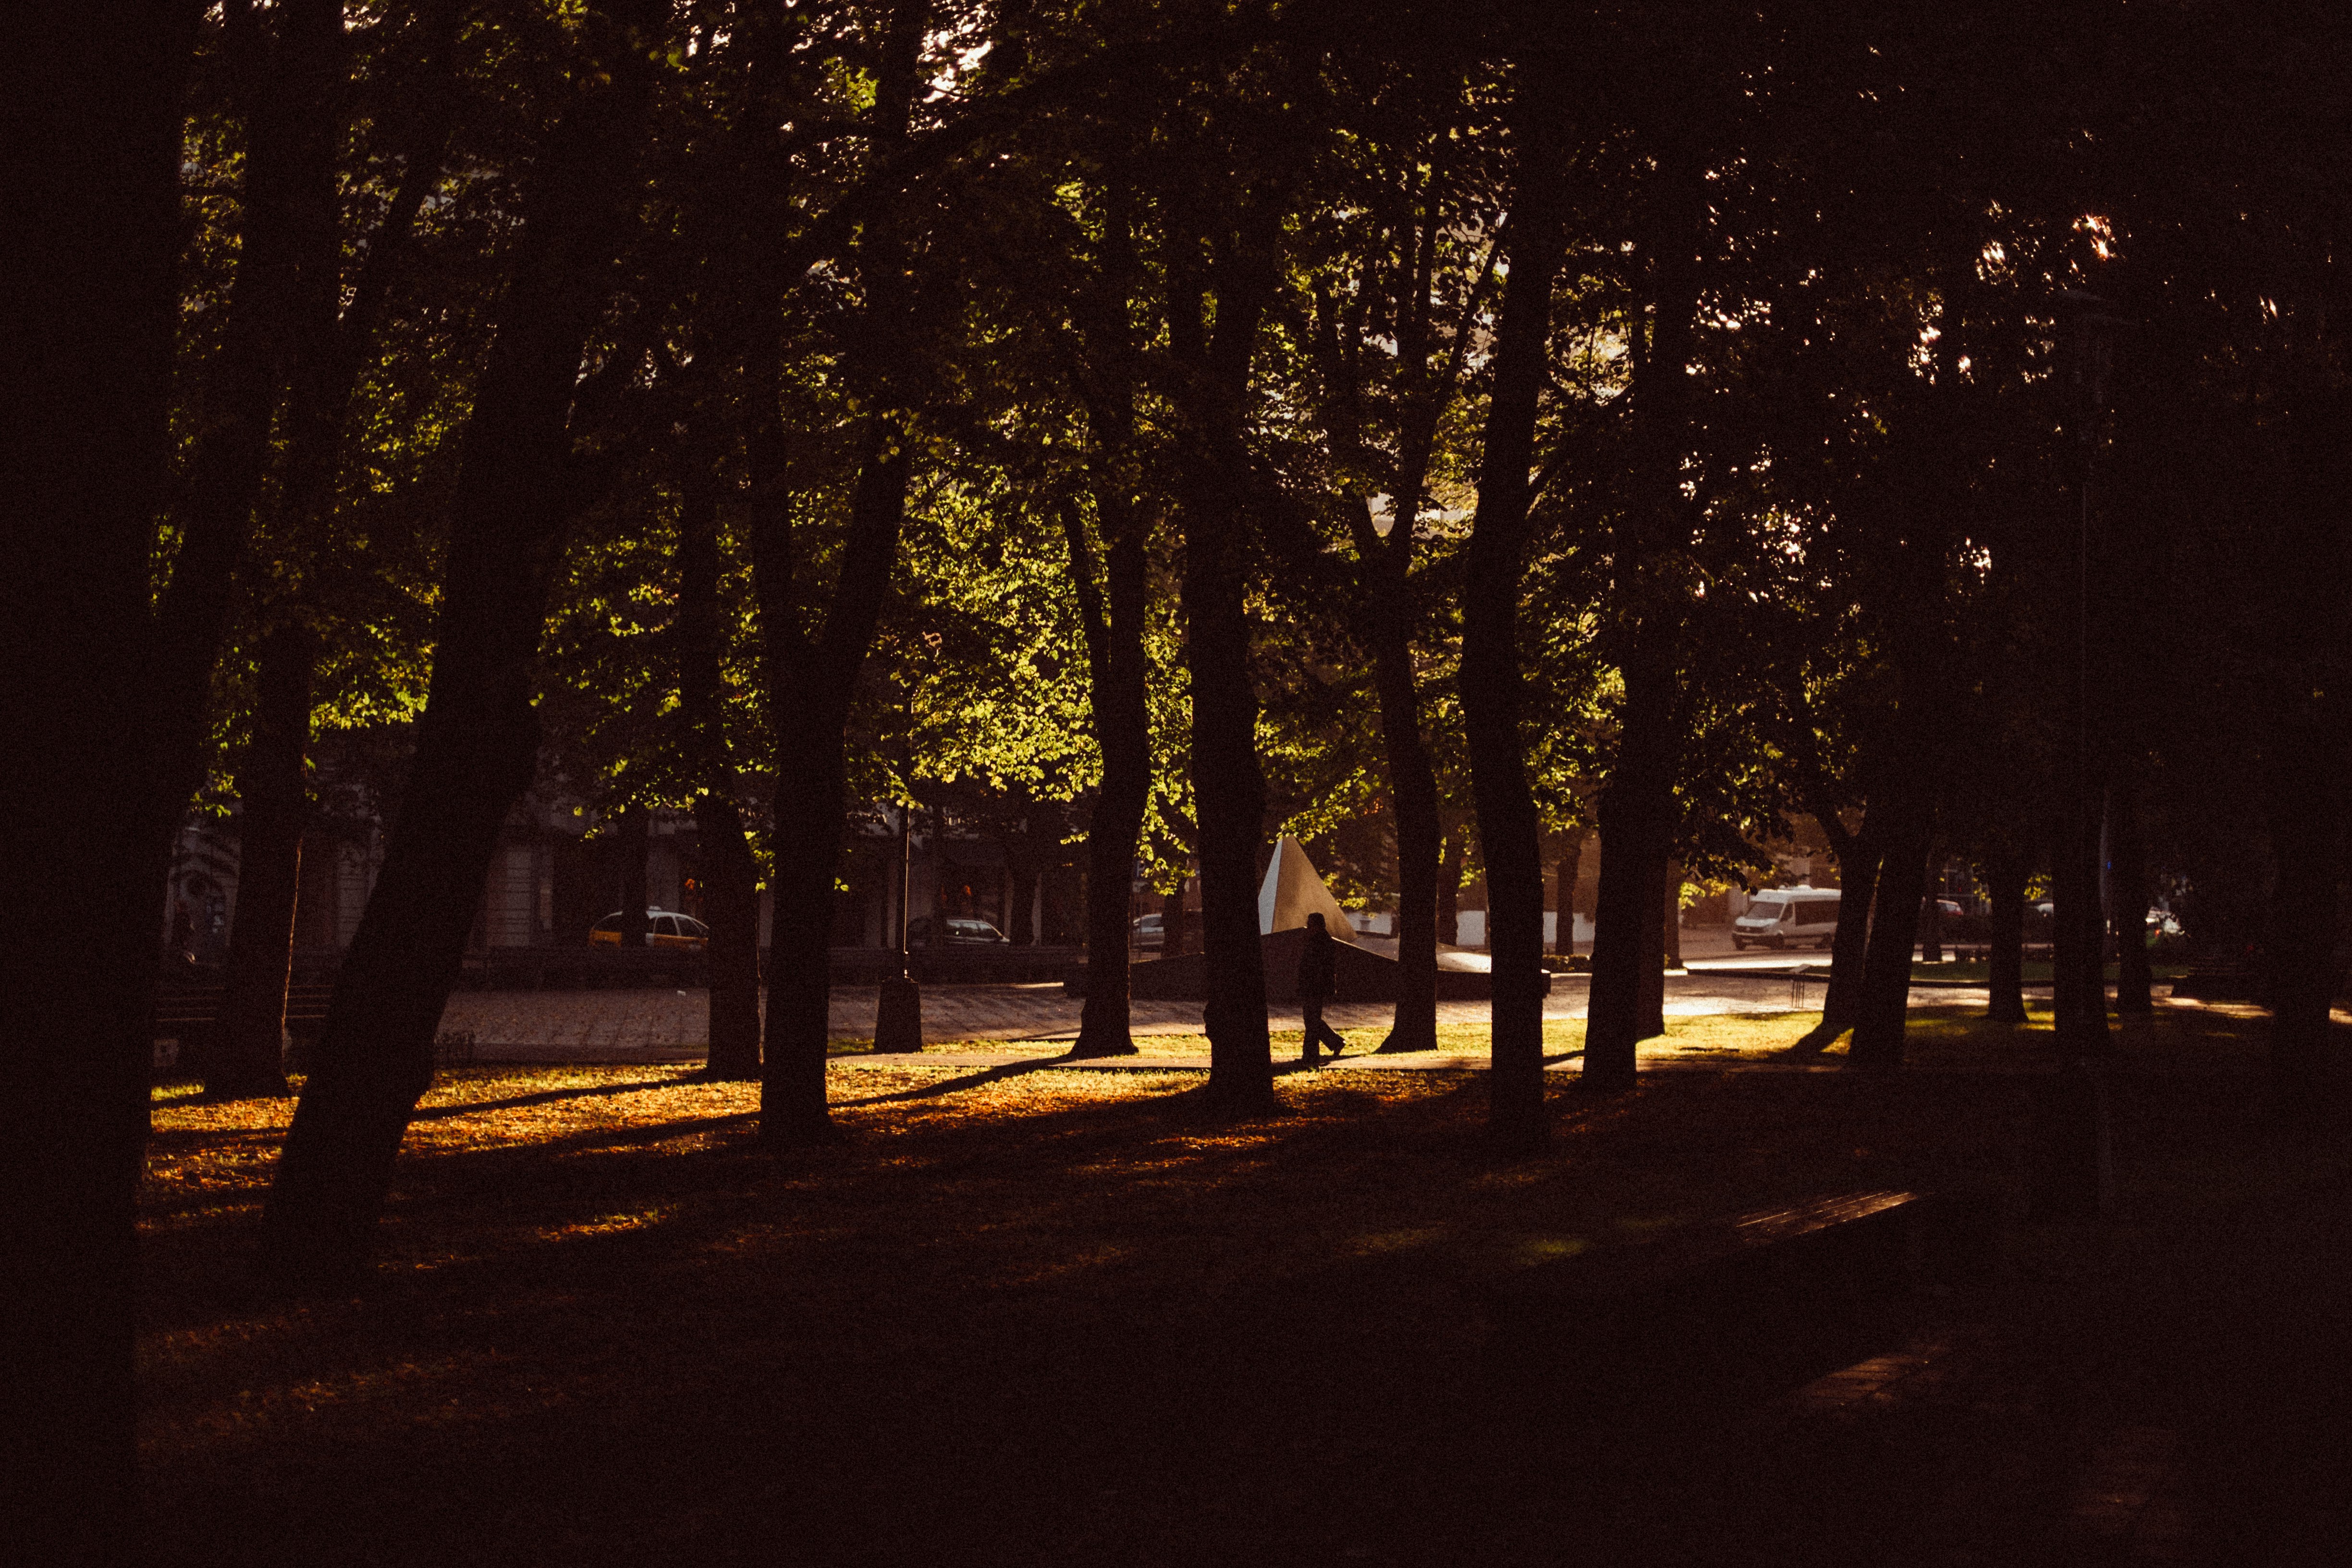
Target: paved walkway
<point>1034,1020</point>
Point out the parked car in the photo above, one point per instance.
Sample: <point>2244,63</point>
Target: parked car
<point>1949,909</point>
<point>1150,931</point>
<point>664,928</point>
<point>957,930</point>
<point>1783,917</point>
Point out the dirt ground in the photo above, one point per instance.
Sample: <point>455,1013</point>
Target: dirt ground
<point>1064,1317</point>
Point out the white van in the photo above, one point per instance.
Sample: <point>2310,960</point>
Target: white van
<point>1784,917</point>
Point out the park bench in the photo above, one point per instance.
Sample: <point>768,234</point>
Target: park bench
<point>188,1013</point>
<point>1704,1315</point>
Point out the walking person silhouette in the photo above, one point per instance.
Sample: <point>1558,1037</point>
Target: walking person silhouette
<point>1317,967</point>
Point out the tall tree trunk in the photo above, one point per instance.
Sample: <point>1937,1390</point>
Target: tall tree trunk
<point>1563,937</point>
<point>812,673</point>
<point>478,740</point>
<point>1171,923</point>
<point>1637,810</point>
<point>246,1056</point>
<point>1112,615</point>
<point>89,232</point>
<point>1509,834</point>
<point>1635,825</point>
<point>2005,957</point>
<point>1231,792</point>
<point>810,683</point>
<point>1412,790</point>
<point>1893,930</point>
<point>731,877</point>
<point>636,829</point>
<point>1213,348</point>
<point>2128,853</point>
<point>1115,657</point>
<point>287,63</point>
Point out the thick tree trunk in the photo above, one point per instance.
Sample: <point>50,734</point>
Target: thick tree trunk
<point>246,1056</point>
<point>2005,959</point>
<point>1509,834</point>
<point>1849,945</point>
<point>1563,936</point>
<point>731,877</point>
<point>2127,854</point>
<point>810,683</point>
<point>1412,790</point>
<point>478,740</point>
<point>1213,349</point>
<point>635,827</point>
<point>1231,792</point>
<point>1635,825</point>
<point>89,231</point>
<point>2077,966</point>
<point>1893,931</point>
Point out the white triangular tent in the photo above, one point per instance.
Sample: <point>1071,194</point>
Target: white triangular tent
<point>1293,890</point>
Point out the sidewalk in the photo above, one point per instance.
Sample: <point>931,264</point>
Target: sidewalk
<point>671,1026</point>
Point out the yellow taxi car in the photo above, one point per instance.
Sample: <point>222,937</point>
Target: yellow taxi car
<point>664,928</point>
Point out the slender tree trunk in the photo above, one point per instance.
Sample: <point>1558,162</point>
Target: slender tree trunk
<point>1673,914</point>
<point>248,1054</point>
<point>1122,719</point>
<point>810,684</point>
<point>2127,850</point>
<point>1653,955</point>
<point>1112,616</point>
<point>1849,945</point>
<point>1894,931</point>
<point>1172,935</point>
<point>1412,790</point>
<point>1509,834</point>
<point>89,233</point>
<point>1638,814</point>
<point>1563,939</point>
<point>1931,914</point>
<point>1449,893</point>
<point>2005,958</point>
<point>635,827</point>
<point>287,64</point>
<point>478,740</point>
<point>731,877</point>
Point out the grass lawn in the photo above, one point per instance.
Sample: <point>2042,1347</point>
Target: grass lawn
<point>1056,1316</point>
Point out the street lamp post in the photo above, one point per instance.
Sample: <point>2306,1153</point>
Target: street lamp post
<point>899,1013</point>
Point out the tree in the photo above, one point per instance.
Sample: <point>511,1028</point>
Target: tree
<point>1509,831</point>
<point>89,236</point>
<point>478,740</point>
